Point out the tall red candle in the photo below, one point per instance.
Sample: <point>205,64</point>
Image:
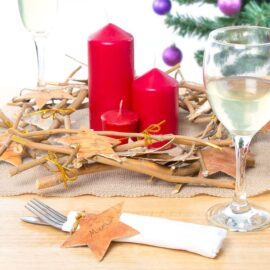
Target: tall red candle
<point>155,98</point>
<point>111,71</point>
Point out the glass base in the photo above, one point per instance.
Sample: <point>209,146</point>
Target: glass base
<point>254,218</point>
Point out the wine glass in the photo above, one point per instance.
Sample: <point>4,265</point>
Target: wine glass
<point>237,80</point>
<point>38,17</point>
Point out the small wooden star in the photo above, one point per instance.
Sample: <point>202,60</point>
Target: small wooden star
<point>10,155</point>
<point>98,231</point>
<point>266,128</point>
<point>216,160</point>
<point>90,144</point>
<point>43,96</point>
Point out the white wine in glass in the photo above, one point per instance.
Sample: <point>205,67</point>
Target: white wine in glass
<point>242,102</point>
<point>237,80</point>
<point>38,17</point>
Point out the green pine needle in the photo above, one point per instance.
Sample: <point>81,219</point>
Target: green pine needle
<point>253,12</point>
<point>199,57</point>
<point>191,2</point>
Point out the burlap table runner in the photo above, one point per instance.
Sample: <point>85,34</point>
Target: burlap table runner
<point>130,184</point>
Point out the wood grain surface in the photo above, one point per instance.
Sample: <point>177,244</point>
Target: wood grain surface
<point>26,246</point>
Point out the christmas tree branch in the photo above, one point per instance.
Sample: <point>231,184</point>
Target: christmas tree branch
<point>199,57</point>
<point>253,12</point>
<point>191,2</point>
<point>185,25</point>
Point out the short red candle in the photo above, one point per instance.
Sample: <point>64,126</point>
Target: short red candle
<point>155,98</point>
<point>111,71</point>
<point>121,120</point>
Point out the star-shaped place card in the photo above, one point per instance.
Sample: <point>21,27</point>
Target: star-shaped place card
<point>98,231</point>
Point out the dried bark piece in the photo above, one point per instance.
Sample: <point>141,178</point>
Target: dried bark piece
<point>10,155</point>
<point>265,128</point>
<point>219,161</point>
<point>90,144</point>
<point>43,96</point>
<point>98,231</point>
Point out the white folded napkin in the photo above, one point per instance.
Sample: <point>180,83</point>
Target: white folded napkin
<point>161,232</point>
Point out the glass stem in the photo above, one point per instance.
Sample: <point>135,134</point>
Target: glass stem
<point>40,50</point>
<point>240,204</point>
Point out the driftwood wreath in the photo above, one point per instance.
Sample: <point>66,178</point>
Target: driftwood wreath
<point>68,152</point>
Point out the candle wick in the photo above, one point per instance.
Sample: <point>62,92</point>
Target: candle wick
<point>120,107</point>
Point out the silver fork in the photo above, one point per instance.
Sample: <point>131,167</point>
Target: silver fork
<point>46,214</point>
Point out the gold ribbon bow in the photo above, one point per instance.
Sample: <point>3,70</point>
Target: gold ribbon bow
<point>52,157</point>
<point>153,128</point>
<point>47,113</point>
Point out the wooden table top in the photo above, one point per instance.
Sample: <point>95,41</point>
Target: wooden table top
<point>26,246</point>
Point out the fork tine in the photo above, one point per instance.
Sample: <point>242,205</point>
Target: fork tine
<point>42,217</point>
<point>44,212</point>
<point>53,212</point>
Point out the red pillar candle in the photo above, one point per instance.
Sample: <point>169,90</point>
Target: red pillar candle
<point>111,71</point>
<point>121,120</point>
<point>155,98</point>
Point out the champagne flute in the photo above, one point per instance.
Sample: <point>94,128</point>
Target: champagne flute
<point>237,80</point>
<point>38,17</point>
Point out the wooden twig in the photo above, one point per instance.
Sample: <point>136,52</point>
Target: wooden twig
<point>218,134</point>
<point>192,86</point>
<point>204,170</point>
<point>202,120</point>
<point>189,105</point>
<point>152,169</point>
<point>177,188</point>
<point>178,139</point>
<point>8,123</point>
<point>21,103</point>
<point>70,76</point>
<point>203,109</point>
<point>79,100</point>
<point>3,125</point>
<point>172,69</point>
<point>42,146</point>
<point>57,178</point>
<point>67,122</point>
<point>6,144</point>
<point>226,142</point>
<point>72,156</point>
<point>76,60</point>
<point>128,146</point>
<point>27,166</point>
<point>208,128</point>
<point>74,105</point>
<point>190,170</point>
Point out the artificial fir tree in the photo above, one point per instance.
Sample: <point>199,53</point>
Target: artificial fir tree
<point>236,12</point>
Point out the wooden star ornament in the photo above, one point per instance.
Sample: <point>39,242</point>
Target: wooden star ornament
<point>266,128</point>
<point>217,160</point>
<point>43,96</point>
<point>90,144</point>
<point>98,231</point>
<point>10,155</point>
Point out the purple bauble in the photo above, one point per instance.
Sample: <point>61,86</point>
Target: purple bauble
<point>172,56</point>
<point>229,7</point>
<point>162,7</point>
